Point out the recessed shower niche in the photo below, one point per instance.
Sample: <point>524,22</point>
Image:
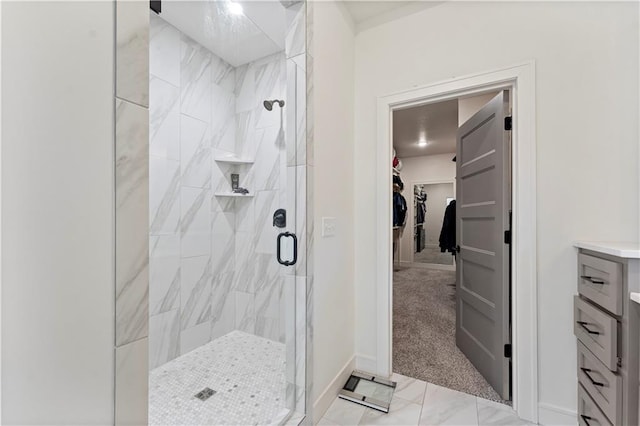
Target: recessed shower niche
<point>227,88</point>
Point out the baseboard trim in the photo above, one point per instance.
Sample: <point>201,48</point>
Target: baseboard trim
<point>366,363</point>
<point>329,394</point>
<point>550,415</point>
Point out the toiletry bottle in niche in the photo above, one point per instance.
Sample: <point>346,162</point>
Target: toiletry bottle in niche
<point>235,181</point>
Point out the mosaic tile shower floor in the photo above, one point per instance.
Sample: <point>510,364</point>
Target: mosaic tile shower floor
<point>246,371</point>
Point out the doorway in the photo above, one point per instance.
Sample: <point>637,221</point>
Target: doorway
<point>430,334</point>
<point>519,80</point>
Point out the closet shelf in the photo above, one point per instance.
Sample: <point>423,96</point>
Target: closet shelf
<point>233,160</point>
<point>232,194</point>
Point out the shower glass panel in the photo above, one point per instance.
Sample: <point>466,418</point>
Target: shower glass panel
<point>227,313</point>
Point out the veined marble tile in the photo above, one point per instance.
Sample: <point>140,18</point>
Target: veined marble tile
<point>296,31</point>
<point>195,150</point>
<point>244,276</point>
<point>131,383</point>
<point>223,223</point>
<point>302,340</point>
<point>224,305</point>
<point>301,116</point>
<point>245,89</point>
<point>245,312</point>
<point>410,389</point>
<point>245,214</point>
<point>268,327</point>
<point>493,414</point>
<point>164,273</point>
<point>291,111</point>
<point>308,252</point>
<point>269,75</point>
<point>344,413</point>
<point>132,51</point>
<point>195,222</point>
<point>223,74</point>
<point>265,173</point>
<point>269,292</point>
<point>444,406</point>
<point>309,6</point>
<point>246,134</point>
<point>223,252</point>
<point>195,80</point>
<point>266,203</point>
<point>164,119</point>
<point>309,113</point>
<point>164,50</point>
<point>132,223</point>
<point>164,338</point>
<point>164,196</point>
<point>288,317</point>
<point>301,219</point>
<point>195,294</point>
<point>401,412</point>
<point>194,337</point>
<point>223,123</point>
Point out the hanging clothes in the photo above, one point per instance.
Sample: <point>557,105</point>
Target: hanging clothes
<point>399,209</point>
<point>448,232</point>
<point>421,208</point>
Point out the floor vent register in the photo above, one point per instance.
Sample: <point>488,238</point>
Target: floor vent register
<point>368,390</point>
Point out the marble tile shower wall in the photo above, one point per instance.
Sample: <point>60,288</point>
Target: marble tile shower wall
<point>212,258</point>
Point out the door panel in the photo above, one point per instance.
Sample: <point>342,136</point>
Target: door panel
<point>482,205</point>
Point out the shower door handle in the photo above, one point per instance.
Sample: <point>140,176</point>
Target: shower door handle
<point>279,249</point>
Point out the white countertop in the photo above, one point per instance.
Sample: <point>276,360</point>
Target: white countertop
<point>635,297</point>
<point>624,250</point>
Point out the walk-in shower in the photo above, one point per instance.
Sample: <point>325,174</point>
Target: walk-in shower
<point>227,299</point>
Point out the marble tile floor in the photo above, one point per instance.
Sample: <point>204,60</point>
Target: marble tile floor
<point>247,373</point>
<point>420,403</point>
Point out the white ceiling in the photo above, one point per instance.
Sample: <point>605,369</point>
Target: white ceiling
<point>437,123</point>
<point>238,39</point>
<point>367,14</point>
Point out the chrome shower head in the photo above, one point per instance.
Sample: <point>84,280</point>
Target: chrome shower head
<point>268,105</point>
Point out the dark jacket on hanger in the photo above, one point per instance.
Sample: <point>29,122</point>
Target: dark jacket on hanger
<point>448,232</point>
<point>399,209</point>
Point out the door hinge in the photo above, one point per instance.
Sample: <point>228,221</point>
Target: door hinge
<point>507,350</point>
<point>508,123</point>
<point>156,6</point>
<point>507,237</point>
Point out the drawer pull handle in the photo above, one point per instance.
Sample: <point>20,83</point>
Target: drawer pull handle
<point>586,372</point>
<point>586,419</point>
<point>592,280</point>
<point>584,326</point>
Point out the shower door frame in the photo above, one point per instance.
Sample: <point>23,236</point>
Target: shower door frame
<point>131,369</point>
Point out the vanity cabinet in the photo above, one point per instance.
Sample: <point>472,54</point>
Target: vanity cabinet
<point>606,325</point>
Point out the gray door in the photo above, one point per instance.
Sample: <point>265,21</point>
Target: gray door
<point>482,206</point>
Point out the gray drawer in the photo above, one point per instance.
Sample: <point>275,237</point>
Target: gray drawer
<point>588,412</point>
<point>597,330</point>
<point>600,281</point>
<point>603,386</point>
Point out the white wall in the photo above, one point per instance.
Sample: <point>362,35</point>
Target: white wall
<point>57,213</point>
<point>333,299</point>
<point>429,168</point>
<point>587,139</point>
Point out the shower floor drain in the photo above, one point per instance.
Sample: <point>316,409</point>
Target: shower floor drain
<point>205,394</point>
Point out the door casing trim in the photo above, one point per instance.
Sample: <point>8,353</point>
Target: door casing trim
<point>520,79</point>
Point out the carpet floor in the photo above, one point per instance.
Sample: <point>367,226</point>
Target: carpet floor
<point>424,327</point>
<point>433,255</point>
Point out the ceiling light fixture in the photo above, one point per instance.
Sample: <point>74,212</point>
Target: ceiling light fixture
<point>422,143</point>
<point>234,8</point>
